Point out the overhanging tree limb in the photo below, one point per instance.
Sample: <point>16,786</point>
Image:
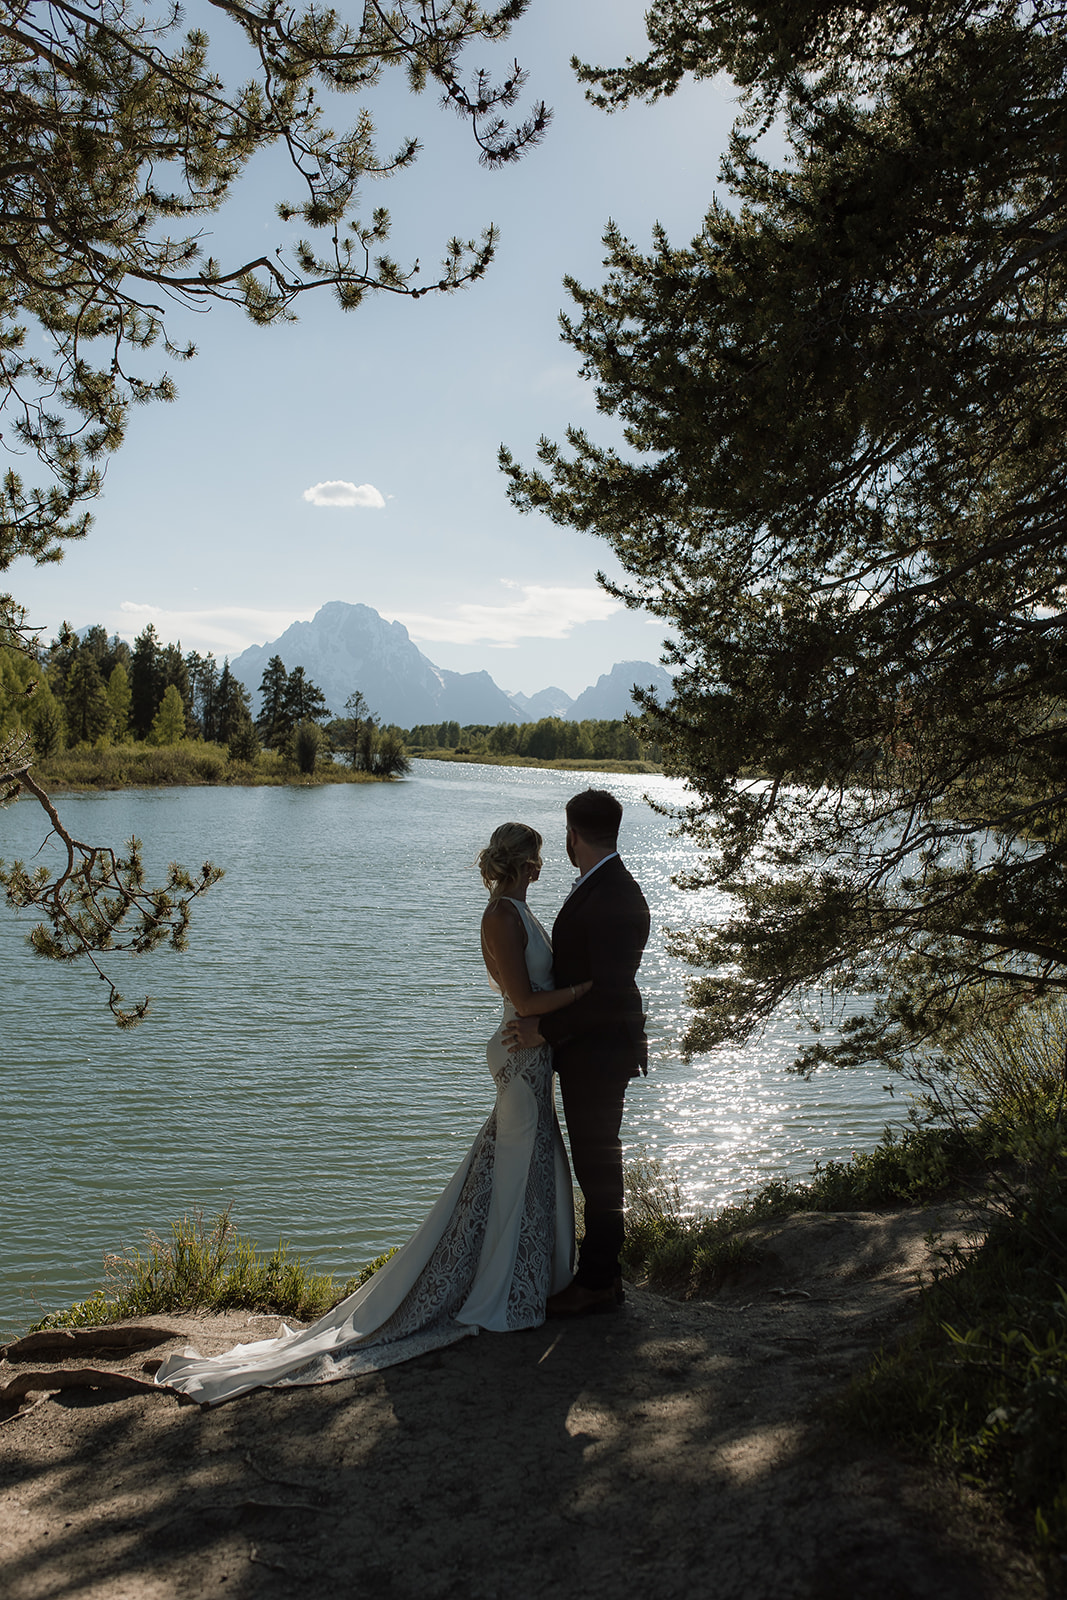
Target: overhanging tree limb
<point>119,140</point>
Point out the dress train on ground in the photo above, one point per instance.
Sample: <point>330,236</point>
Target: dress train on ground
<point>497,1243</point>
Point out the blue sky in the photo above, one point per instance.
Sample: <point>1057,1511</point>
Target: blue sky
<point>207,526</point>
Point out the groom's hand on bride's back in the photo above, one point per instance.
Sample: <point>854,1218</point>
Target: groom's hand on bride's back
<point>523,1033</point>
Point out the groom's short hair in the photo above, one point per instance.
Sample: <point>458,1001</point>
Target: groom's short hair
<point>595,814</point>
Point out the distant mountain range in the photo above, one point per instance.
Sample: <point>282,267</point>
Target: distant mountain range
<point>347,647</point>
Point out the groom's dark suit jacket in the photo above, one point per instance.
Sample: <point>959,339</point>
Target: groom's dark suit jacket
<point>600,933</point>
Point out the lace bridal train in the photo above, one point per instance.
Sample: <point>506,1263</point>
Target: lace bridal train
<point>497,1243</point>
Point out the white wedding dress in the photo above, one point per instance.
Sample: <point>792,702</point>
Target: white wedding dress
<point>498,1242</point>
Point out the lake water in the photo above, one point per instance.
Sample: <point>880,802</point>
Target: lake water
<point>317,1057</point>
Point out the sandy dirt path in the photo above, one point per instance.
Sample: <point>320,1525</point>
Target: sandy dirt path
<point>672,1450</point>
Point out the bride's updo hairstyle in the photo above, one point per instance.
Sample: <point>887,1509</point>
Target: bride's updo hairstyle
<point>512,845</point>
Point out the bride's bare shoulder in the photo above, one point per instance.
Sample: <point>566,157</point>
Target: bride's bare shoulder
<point>499,909</point>
<point>501,914</point>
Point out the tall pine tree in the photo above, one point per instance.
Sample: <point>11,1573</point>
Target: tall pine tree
<point>841,484</point>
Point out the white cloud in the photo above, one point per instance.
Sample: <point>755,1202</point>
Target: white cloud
<point>335,492</point>
<point>538,612</point>
<point>225,631</point>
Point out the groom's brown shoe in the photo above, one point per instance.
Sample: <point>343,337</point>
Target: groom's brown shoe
<point>578,1301</point>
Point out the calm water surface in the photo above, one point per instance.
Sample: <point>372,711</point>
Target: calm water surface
<point>318,1055</point>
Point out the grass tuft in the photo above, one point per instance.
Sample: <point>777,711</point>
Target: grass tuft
<point>677,1252</point>
<point>207,1267</point>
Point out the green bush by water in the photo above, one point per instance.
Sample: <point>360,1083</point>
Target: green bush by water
<point>981,1383</point>
<point>192,761</point>
<point>207,1267</point>
<point>679,1253</point>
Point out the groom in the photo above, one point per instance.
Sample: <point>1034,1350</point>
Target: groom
<point>599,1041</point>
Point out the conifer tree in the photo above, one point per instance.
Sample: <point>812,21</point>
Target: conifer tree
<point>842,486</point>
<point>168,724</point>
<point>304,701</point>
<point>147,681</point>
<point>306,742</point>
<point>119,699</point>
<point>270,723</point>
<point>233,710</point>
<point>85,701</point>
<point>45,722</point>
<point>244,742</point>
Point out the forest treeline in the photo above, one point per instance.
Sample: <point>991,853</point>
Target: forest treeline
<point>549,739</point>
<point>94,691</point>
<point>91,692</point>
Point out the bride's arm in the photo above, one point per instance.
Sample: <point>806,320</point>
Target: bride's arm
<point>504,950</point>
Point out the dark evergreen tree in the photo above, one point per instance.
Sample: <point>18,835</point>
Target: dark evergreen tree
<point>303,701</point>
<point>94,641</point>
<point>107,653</point>
<point>271,724</point>
<point>147,680</point>
<point>844,490</point>
<point>233,706</point>
<point>307,740</point>
<point>62,653</point>
<point>244,742</point>
<point>85,701</point>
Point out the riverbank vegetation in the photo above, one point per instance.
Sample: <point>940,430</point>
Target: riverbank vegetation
<point>465,757</point>
<point>189,762</point>
<point>100,714</point>
<point>96,714</point>
<point>208,1266</point>
<point>614,746</point>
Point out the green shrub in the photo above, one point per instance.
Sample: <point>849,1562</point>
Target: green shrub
<point>207,1267</point>
<point>678,1252</point>
<point>982,1382</point>
<point>192,761</point>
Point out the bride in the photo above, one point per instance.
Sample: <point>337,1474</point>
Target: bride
<point>500,1239</point>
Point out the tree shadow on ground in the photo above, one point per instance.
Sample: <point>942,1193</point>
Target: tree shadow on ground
<point>674,1449</point>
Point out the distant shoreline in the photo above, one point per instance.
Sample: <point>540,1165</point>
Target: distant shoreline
<point>194,764</point>
<point>561,764</point>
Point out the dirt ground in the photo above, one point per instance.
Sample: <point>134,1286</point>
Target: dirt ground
<point>671,1450</point>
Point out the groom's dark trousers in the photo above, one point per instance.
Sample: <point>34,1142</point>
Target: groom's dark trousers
<point>599,1045</point>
